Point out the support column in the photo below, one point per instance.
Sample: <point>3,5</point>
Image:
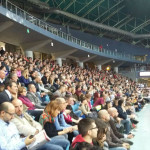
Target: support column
<point>116,69</point>
<point>29,54</point>
<point>99,67</point>
<point>81,64</point>
<point>59,61</point>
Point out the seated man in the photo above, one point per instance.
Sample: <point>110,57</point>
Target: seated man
<point>41,90</point>
<point>9,93</point>
<point>113,114</point>
<point>61,92</point>
<point>9,135</point>
<point>33,97</point>
<point>27,126</point>
<point>87,132</point>
<point>111,139</point>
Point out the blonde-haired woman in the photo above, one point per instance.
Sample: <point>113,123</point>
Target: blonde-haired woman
<point>47,120</point>
<point>24,79</point>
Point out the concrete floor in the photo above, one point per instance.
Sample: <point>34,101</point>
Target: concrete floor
<point>142,133</point>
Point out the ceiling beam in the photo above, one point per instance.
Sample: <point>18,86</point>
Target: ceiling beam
<point>127,21</point>
<point>108,10</point>
<point>101,1</point>
<point>121,21</point>
<point>113,13</point>
<point>84,6</point>
<point>73,1</point>
<point>144,24</point>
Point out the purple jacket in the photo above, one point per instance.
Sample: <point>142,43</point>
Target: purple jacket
<point>27,102</point>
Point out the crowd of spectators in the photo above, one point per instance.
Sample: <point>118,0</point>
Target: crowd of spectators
<point>77,107</point>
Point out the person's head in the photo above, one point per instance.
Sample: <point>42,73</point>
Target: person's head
<point>25,73</point>
<point>88,97</point>
<point>53,108</point>
<point>78,87</point>
<point>87,128</point>
<point>62,89</point>
<point>7,111</point>
<point>121,103</point>
<point>108,104</point>
<point>113,112</point>
<point>73,90</point>
<point>38,79</point>
<point>96,95</point>
<point>22,91</point>
<point>14,77</point>
<point>116,102</point>
<point>103,114</point>
<point>3,68</point>
<point>69,99</point>
<point>46,74</point>
<point>83,99</point>
<point>33,74</point>
<point>56,80</point>
<point>102,129</point>
<point>2,74</point>
<point>18,106</point>
<point>63,104</point>
<point>12,87</point>
<point>32,88</point>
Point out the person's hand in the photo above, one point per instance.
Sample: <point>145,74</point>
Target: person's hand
<point>75,127</point>
<point>67,111</point>
<point>132,116</point>
<point>130,136</point>
<point>67,130</point>
<point>42,94</point>
<point>118,120</point>
<point>28,141</point>
<point>126,145</point>
<point>37,131</point>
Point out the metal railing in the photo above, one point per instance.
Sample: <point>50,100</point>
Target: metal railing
<point>20,12</point>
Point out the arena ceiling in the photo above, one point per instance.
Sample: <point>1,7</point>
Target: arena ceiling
<point>122,20</point>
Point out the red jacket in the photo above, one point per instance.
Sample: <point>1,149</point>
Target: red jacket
<point>78,139</point>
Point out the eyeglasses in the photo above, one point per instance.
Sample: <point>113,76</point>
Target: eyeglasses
<point>10,113</point>
<point>93,128</point>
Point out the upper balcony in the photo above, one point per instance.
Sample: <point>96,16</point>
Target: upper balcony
<point>53,33</point>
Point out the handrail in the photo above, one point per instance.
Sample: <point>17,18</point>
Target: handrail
<point>22,13</point>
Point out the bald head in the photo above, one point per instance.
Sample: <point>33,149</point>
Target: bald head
<point>7,111</point>
<point>6,106</point>
<point>113,112</point>
<point>103,114</point>
<point>18,106</point>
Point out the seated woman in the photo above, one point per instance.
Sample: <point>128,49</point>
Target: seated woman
<point>84,106</point>
<point>30,106</point>
<point>22,96</point>
<point>86,109</point>
<point>108,105</point>
<point>98,100</point>
<point>101,135</point>
<point>47,121</point>
<point>24,79</point>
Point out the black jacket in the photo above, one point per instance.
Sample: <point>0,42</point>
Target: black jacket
<point>4,97</point>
